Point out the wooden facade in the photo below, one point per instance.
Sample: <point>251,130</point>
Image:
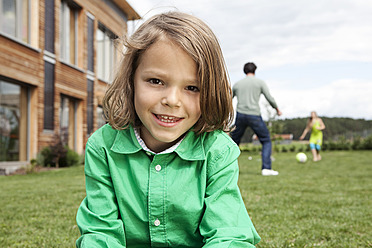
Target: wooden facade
<point>23,63</point>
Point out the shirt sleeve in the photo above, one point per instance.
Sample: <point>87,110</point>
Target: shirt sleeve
<point>225,222</point>
<point>268,96</point>
<point>98,216</point>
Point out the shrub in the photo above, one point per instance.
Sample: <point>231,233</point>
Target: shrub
<point>58,155</point>
<point>68,157</point>
<point>45,157</point>
<point>244,148</point>
<point>357,143</point>
<point>277,148</point>
<point>71,158</point>
<point>301,148</point>
<point>32,166</point>
<point>343,143</point>
<point>367,143</point>
<point>81,158</point>
<point>325,146</point>
<point>332,145</point>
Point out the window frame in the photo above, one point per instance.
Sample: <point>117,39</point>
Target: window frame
<point>19,20</point>
<point>106,65</point>
<point>68,10</point>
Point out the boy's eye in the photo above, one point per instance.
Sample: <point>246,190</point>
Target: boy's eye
<point>192,88</point>
<point>155,81</point>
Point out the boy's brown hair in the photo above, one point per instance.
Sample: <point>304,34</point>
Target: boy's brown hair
<point>197,39</point>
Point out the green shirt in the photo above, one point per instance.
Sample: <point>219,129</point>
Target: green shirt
<point>186,198</point>
<point>248,91</point>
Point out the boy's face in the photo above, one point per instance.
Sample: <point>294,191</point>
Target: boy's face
<point>166,94</point>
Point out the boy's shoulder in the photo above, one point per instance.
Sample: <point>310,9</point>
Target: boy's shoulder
<point>206,145</point>
<point>102,132</point>
<point>219,149</point>
<point>105,136</point>
<point>218,140</point>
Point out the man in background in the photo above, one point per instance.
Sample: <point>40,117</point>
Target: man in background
<point>248,92</point>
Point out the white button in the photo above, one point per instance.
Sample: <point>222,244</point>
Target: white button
<point>158,167</point>
<point>157,222</point>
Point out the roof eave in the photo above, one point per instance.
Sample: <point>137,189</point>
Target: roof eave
<point>127,8</point>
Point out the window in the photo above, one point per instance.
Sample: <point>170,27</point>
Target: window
<point>64,119</point>
<point>100,117</point>
<point>90,44</point>
<point>13,122</point>
<point>106,53</point>
<point>14,18</point>
<point>48,96</point>
<point>68,31</point>
<point>67,115</point>
<point>49,26</point>
<point>90,105</point>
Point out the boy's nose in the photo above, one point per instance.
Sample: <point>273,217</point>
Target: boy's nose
<point>172,98</point>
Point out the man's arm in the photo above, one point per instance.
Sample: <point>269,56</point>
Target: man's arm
<point>265,91</point>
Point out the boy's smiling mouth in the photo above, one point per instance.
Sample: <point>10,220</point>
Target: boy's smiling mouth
<point>167,118</point>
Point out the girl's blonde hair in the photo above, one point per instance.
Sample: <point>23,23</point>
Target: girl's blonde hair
<point>197,39</point>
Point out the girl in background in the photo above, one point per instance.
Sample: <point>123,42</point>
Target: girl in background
<point>316,125</point>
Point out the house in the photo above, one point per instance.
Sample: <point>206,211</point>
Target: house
<point>56,59</point>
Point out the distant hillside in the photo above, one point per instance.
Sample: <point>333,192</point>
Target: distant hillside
<point>335,127</point>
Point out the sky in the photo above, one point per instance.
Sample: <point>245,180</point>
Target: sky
<point>313,55</point>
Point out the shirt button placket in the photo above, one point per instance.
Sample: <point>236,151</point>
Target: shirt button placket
<point>157,185</point>
<point>157,168</point>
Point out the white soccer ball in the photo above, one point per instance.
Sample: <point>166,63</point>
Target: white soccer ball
<point>301,157</point>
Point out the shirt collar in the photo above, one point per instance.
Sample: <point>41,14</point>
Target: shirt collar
<point>125,142</point>
<point>143,145</point>
<point>189,148</point>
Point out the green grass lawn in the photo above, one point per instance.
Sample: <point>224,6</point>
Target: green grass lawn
<point>316,204</point>
<point>38,210</point>
<point>322,204</point>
